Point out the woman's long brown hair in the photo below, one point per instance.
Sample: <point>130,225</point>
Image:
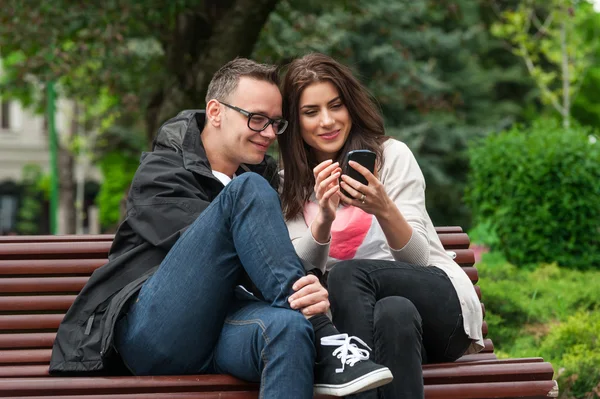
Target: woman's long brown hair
<point>298,158</point>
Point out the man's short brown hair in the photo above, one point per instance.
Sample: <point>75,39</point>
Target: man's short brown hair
<point>225,80</point>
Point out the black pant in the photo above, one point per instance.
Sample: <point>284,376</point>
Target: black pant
<point>409,315</point>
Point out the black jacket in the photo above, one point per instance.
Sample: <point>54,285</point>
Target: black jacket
<point>171,187</point>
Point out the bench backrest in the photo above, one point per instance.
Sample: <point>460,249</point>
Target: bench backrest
<point>40,277</point>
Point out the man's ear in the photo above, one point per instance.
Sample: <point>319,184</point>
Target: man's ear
<point>214,112</point>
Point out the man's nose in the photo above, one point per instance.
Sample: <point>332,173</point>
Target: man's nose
<point>270,131</point>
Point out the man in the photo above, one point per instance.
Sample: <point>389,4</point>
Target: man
<point>202,217</point>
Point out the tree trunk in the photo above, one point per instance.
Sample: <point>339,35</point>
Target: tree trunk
<point>566,79</point>
<point>198,46</point>
<point>66,189</point>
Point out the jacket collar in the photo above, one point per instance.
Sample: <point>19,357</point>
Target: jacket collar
<point>182,134</point>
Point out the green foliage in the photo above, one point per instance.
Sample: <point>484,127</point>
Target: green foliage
<point>439,76</point>
<point>575,346</point>
<point>554,39</point>
<point>539,190</point>
<point>30,209</point>
<point>118,170</point>
<point>549,312</point>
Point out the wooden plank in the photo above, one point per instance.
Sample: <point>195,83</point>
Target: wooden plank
<point>455,240</point>
<point>27,340</point>
<point>55,250</point>
<point>464,257</point>
<point>30,322</point>
<point>60,386</point>
<point>57,238</point>
<point>449,373</point>
<point>36,303</point>
<point>50,266</point>
<point>42,284</point>
<point>496,372</point>
<point>171,395</point>
<point>448,229</point>
<point>21,356</point>
<point>496,390</point>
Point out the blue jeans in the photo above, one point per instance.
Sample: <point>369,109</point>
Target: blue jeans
<point>190,318</point>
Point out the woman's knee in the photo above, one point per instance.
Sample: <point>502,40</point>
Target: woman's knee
<point>342,275</point>
<point>398,314</point>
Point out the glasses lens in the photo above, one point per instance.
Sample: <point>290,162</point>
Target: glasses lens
<point>280,125</point>
<point>258,122</point>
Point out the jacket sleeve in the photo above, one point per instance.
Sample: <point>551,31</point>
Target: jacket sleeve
<point>164,199</point>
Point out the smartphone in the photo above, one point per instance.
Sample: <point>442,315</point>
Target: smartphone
<point>364,157</point>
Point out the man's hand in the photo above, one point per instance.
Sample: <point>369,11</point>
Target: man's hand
<point>310,296</point>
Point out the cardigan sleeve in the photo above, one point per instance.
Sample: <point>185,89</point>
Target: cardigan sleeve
<point>312,253</point>
<point>405,185</point>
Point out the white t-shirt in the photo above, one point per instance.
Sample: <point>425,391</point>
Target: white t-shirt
<point>222,177</point>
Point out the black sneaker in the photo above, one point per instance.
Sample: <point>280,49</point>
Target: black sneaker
<point>356,374</point>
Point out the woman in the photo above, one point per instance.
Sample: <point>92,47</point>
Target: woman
<point>390,280</point>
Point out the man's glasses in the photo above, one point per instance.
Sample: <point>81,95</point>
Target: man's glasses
<point>259,122</point>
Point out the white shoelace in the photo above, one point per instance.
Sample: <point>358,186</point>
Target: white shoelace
<point>347,352</point>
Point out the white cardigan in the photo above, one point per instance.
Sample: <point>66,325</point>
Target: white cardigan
<point>405,185</point>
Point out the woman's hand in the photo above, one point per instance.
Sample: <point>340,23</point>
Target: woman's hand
<point>372,198</point>
<point>326,189</point>
<point>310,296</point>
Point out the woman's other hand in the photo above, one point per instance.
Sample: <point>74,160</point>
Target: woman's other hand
<point>310,296</point>
<point>326,189</point>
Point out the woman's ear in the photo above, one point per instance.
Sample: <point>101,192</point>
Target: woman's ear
<point>213,113</point>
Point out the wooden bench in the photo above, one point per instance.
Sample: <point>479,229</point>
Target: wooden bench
<point>40,277</point>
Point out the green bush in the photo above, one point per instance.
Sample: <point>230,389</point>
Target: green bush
<point>118,170</point>
<point>574,349</point>
<point>521,304</point>
<point>538,190</point>
<point>30,209</point>
<point>549,312</point>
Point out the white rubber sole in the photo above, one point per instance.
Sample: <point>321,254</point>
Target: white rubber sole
<point>374,379</point>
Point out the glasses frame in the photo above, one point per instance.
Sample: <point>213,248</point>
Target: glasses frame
<point>249,115</point>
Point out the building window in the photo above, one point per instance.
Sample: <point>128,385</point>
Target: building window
<point>8,214</point>
<point>5,114</point>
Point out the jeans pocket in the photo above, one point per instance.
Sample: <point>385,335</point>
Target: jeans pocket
<point>458,342</point>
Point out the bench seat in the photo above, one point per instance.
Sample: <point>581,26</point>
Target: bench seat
<point>40,277</point>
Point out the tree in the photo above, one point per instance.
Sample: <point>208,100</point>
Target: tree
<point>441,79</point>
<point>149,59</point>
<point>155,57</point>
<point>551,38</point>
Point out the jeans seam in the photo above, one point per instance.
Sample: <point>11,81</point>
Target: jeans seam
<point>260,323</point>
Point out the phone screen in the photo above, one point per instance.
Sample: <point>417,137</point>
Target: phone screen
<point>364,157</point>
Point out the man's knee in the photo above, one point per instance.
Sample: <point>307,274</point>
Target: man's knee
<point>252,182</point>
<point>289,326</point>
<point>397,313</point>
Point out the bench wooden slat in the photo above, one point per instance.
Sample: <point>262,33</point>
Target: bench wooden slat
<point>455,240</point>
<point>448,229</point>
<point>50,266</point>
<point>42,284</point>
<point>25,356</point>
<point>30,322</point>
<point>56,238</point>
<point>27,340</point>
<point>40,302</point>
<point>170,395</point>
<point>454,373</point>
<point>512,390</point>
<point>55,250</point>
<point>460,374</point>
